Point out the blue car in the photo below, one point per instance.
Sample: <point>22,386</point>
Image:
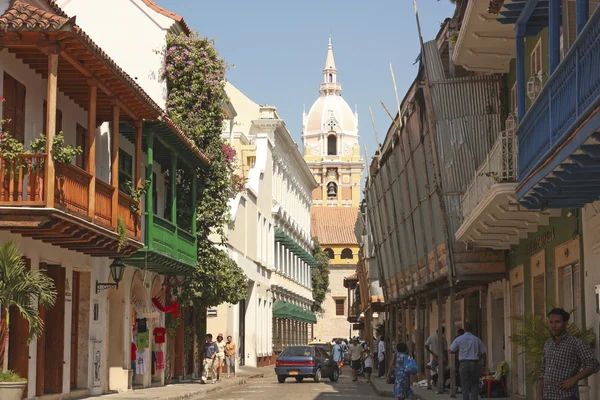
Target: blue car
<point>302,362</point>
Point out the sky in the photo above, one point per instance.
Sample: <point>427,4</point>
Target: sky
<point>277,49</point>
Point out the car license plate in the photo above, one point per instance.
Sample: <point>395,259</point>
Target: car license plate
<point>292,373</point>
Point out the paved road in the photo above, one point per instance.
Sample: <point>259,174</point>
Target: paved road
<point>269,388</point>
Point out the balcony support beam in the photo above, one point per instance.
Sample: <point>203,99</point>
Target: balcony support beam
<point>582,14</point>
<point>114,163</point>
<point>150,194</point>
<point>554,22</point>
<point>91,147</point>
<point>51,126</point>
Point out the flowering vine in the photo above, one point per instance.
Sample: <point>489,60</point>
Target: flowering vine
<point>195,76</point>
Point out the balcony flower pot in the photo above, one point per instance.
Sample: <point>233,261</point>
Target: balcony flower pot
<point>12,390</point>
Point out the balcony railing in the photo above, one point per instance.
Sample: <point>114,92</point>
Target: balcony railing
<point>568,97</point>
<point>22,184</point>
<point>169,239</point>
<point>499,166</point>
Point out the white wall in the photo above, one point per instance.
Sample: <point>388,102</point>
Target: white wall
<point>134,39</point>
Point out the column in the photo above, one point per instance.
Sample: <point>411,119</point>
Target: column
<point>91,147</point>
<point>150,194</point>
<point>554,34</point>
<point>173,174</point>
<point>114,162</point>
<point>582,14</point>
<point>520,65</point>
<point>138,167</point>
<point>442,364</point>
<point>51,126</point>
<point>452,359</point>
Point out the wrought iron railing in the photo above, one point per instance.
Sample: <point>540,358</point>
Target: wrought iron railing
<point>569,96</point>
<point>499,166</point>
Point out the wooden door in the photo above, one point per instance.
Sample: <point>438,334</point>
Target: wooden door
<point>74,327</point>
<point>55,334</point>
<point>18,350</point>
<point>519,311</point>
<point>179,346</point>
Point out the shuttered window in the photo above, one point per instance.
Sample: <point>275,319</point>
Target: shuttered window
<point>81,141</point>
<point>539,296</point>
<point>58,119</point>
<point>571,295</point>
<point>339,306</point>
<point>13,108</point>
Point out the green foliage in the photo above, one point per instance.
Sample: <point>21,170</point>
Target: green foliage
<point>6,375</point>
<point>61,152</point>
<point>20,288</point>
<point>122,232</point>
<point>195,77</point>
<point>10,147</point>
<point>320,277</point>
<point>137,194</point>
<point>532,333</point>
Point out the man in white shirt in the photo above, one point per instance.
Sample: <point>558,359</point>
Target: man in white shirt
<point>470,350</point>
<point>355,358</point>
<point>381,357</point>
<point>432,347</point>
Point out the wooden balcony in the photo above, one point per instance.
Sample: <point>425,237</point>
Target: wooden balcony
<point>66,221</point>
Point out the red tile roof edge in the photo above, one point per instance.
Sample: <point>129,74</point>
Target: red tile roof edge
<point>170,14</point>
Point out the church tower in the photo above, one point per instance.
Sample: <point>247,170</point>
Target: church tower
<point>332,152</point>
<point>330,138</point>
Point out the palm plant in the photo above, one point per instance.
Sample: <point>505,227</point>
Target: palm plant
<point>20,288</point>
<point>532,333</point>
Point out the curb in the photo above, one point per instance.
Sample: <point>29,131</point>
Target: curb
<point>380,392</point>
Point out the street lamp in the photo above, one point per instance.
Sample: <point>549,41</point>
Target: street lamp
<point>116,272</point>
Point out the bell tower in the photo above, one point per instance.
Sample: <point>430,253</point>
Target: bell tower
<point>330,138</point>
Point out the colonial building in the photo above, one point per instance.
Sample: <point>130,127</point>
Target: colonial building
<point>332,152</point>
<point>269,236</point>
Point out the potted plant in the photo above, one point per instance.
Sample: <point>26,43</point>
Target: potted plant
<point>19,288</point>
<point>532,333</point>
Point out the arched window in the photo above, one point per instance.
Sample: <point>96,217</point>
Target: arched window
<point>332,145</point>
<point>331,190</point>
<point>347,254</point>
<point>330,78</point>
<point>329,253</point>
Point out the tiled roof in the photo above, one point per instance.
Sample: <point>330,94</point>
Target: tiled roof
<point>170,14</point>
<point>25,16</point>
<point>22,15</point>
<point>334,225</point>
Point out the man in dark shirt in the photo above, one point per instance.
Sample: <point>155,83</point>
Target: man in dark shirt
<point>566,361</point>
<point>210,364</point>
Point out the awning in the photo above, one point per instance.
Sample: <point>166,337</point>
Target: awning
<point>288,242</point>
<point>285,310</point>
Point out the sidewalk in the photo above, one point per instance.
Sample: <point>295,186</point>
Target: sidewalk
<point>385,390</point>
<point>194,390</point>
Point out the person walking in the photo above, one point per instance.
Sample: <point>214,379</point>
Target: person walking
<point>566,361</point>
<point>381,357</point>
<point>368,360</point>
<point>337,355</point>
<point>432,347</point>
<point>230,357</point>
<point>220,355</point>
<point>355,358</point>
<point>210,363</point>
<point>471,351</point>
<point>399,367</point>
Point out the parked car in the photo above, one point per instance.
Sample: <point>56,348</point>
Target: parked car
<point>302,362</point>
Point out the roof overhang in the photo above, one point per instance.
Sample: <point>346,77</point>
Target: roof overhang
<point>484,44</point>
<point>498,222</point>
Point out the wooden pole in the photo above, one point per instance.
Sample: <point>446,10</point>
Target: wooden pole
<point>51,127</point>
<point>452,336</point>
<point>426,333</point>
<point>138,167</point>
<point>419,342</point>
<point>441,353</point>
<point>91,147</point>
<point>410,331</point>
<point>150,194</point>
<point>114,162</point>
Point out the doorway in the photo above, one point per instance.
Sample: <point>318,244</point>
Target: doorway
<point>242,330</point>
<point>80,328</point>
<point>519,371</point>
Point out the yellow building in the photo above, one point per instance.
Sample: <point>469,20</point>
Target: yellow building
<point>331,150</point>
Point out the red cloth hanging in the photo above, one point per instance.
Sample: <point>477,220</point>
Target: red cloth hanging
<point>173,308</point>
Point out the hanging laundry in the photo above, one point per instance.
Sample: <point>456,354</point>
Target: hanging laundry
<point>159,335</point>
<point>142,325</point>
<point>142,340</point>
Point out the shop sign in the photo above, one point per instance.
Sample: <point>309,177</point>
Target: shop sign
<point>540,241</point>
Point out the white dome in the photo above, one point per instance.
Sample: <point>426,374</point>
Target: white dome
<point>331,112</point>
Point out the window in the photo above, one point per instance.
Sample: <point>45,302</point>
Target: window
<point>569,282</point>
<point>329,253</point>
<point>536,59</point>
<point>339,306</point>
<point>513,99</point>
<point>125,170</point>
<point>330,78</point>
<point>81,141</point>
<point>347,254</point>
<point>332,145</point>
<point>58,119</point>
<point>13,108</point>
